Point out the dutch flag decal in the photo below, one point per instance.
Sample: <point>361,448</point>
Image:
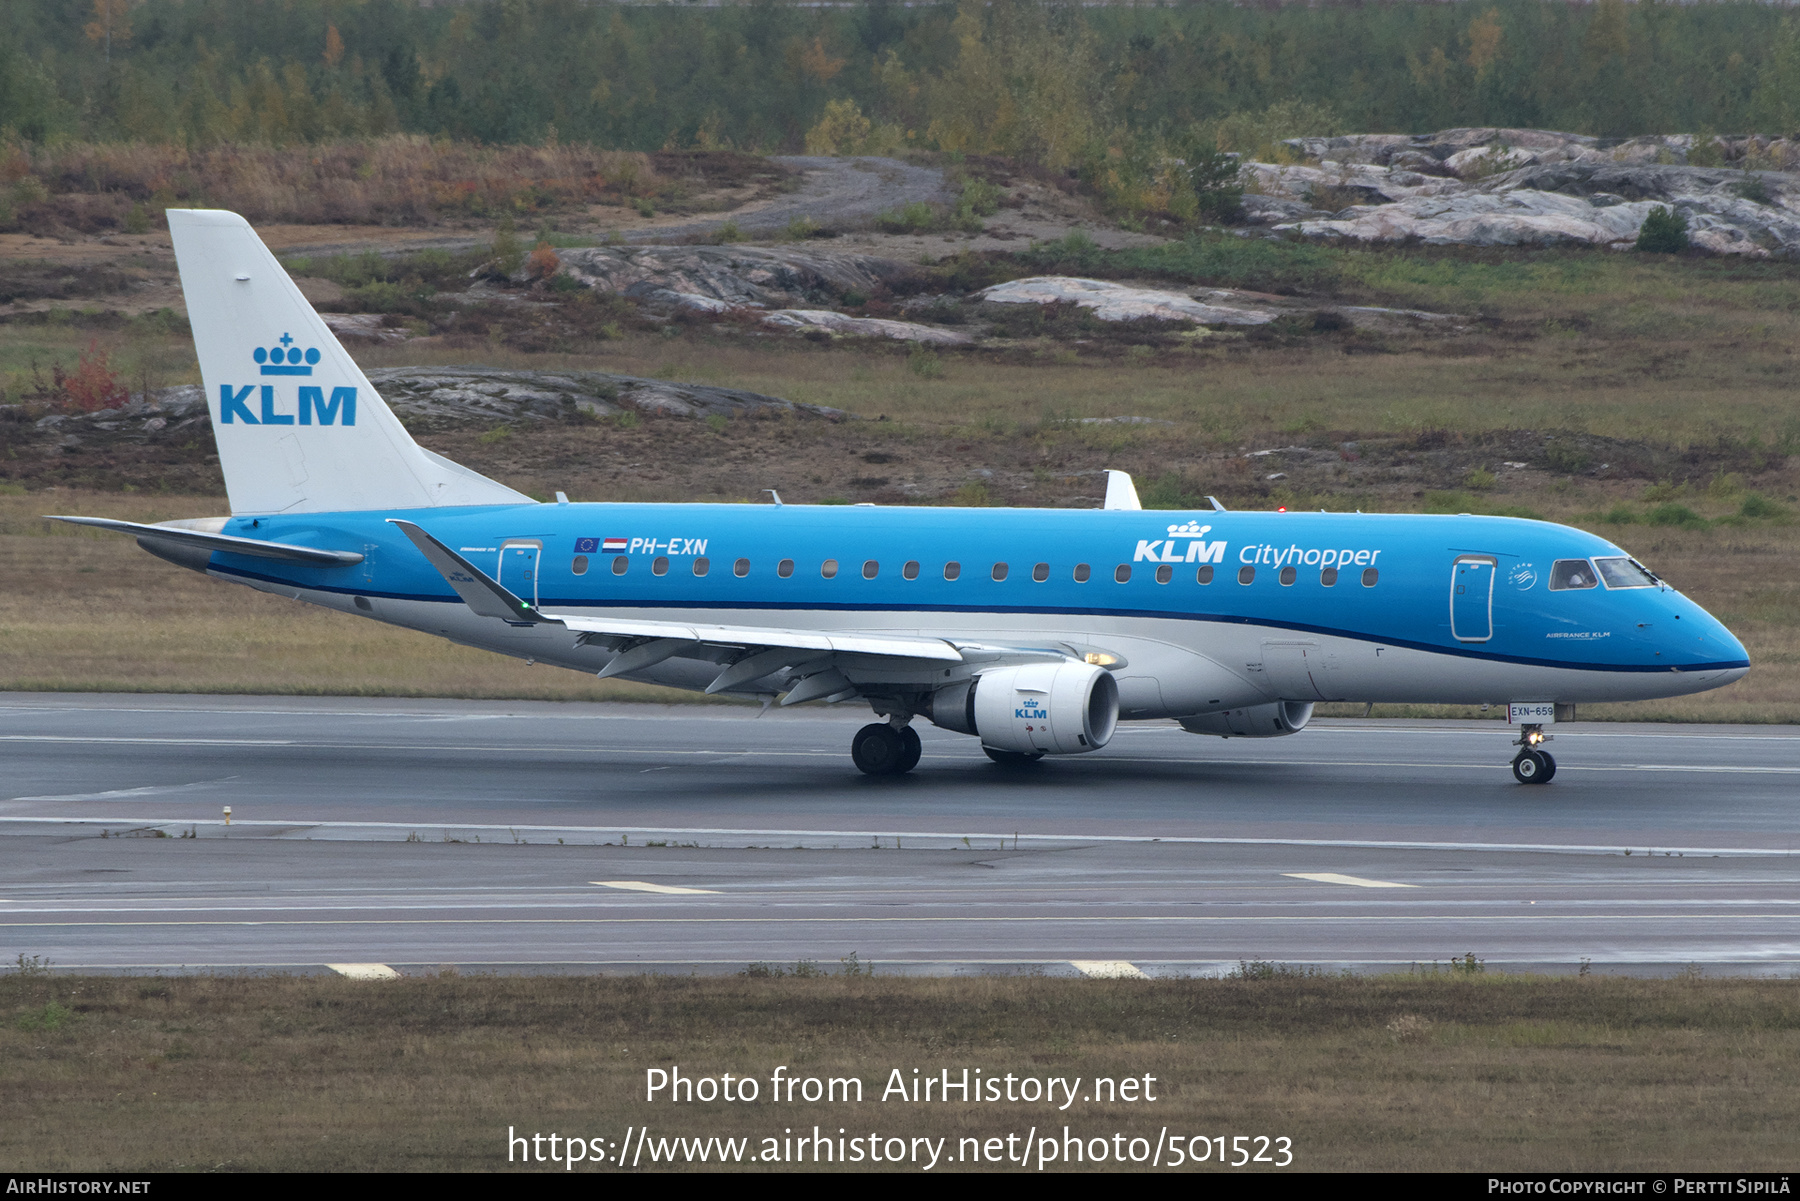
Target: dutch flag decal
<point>614,546</point>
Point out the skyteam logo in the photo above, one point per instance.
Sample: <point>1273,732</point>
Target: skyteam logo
<point>286,359</point>
<point>310,401</point>
<point>1169,551</point>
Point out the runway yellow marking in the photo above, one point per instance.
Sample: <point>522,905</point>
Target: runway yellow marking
<point>641,886</point>
<point>1354,881</point>
<point>1107,969</point>
<point>365,971</point>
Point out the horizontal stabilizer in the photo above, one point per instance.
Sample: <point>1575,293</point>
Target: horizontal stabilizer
<point>227,543</point>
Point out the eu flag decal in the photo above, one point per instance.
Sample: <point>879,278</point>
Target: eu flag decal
<point>586,546</point>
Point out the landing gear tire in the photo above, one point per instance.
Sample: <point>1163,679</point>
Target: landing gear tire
<point>1533,767</point>
<point>911,749</point>
<point>880,750</point>
<point>1011,758</point>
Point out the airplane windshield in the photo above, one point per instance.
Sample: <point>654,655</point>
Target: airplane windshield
<point>1572,573</point>
<point>1626,573</point>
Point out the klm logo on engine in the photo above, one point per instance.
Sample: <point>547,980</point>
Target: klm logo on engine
<point>1170,551</point>
<point>272,408</point>
<point>1032,711</point>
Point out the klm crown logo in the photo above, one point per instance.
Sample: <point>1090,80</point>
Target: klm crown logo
<point>286,359</point>
<point>311,405</point>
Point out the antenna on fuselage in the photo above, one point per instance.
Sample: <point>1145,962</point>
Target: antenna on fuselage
<point>774,493</point>
<point>1217,507</point>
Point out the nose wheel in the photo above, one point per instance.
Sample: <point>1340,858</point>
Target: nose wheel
<point>881,750</point>
<point>1533,765</point>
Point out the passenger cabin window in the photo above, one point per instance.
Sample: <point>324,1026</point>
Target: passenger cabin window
<point>579,566</point>
<point>828,569</point>
<point>1370,577</point>
<point>1288,576</point>
<point>999,572</point>
<point>1625,573</point>
<point>1328,577</point>
<point>911,570</point>
<point>1041,572</point>
<point>1570,574</point>
<point>1204,575</point>
<point>1164,574</point>
<point>620,564</point>
<point>785,568</point>
<point>1246,574</point>
<point>952,570</point>
<point>1122,572</point>
<point>702,566</point>
<point>871,569</point>
<point>660,565</point>
<point>741,568</point>
<point>1082,572</point>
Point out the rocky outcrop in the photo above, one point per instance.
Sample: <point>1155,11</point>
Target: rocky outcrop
<point>1207,306</point>
<point>1495,187</point>
<point>1120,302</point>
<point>450,396</point>
<point>865,327</point>
<point>493,394</point>
<point>719,277</point>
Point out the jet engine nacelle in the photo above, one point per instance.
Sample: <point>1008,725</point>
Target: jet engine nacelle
<point>1037,709</point>
<point>1257,721</point>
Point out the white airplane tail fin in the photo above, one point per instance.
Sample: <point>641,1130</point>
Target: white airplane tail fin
<point>300,428</point>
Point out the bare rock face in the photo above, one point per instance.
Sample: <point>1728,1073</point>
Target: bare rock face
<point>496,395</point>
<point>731,276</point>
<point>1503,187</point>
<point>1121,302</point>
<point>448,396</point>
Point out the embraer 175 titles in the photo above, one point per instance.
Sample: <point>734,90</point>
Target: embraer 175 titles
<point>1034,630</point>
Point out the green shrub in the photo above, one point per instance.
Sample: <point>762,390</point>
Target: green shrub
<point>1620,515</point>
<point>1565,458</point>
<point>1758,505</point>
<point>1672,514</point>
<point>917,217</point>
<point>1664,231</point>
<point>1213,174</point>
<point>1753,189</point>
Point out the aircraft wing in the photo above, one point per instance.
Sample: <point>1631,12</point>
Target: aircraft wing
<point>255,547</point>
<point>815,661</point>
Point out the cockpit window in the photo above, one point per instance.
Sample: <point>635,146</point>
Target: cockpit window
<point>1626,573</point>
<point>1572,573</point>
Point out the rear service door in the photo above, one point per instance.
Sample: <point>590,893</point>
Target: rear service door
<point>519,567</point>
<point>1472,598</point>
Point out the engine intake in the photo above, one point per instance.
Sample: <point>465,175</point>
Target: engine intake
<point>1257,721</point>
<point>1037,709</point>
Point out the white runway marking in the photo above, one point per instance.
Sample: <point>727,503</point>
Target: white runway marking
<point>1336,878</point>
<point>1107,969</point>
<point>364,971</point>
<point>641,886</point>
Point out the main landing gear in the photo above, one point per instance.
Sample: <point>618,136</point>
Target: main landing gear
<point>1533,766</point>
<point>882,749</point>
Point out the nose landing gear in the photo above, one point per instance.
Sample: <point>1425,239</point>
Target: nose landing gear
<point>882,749</point>
<point>1532,765</point>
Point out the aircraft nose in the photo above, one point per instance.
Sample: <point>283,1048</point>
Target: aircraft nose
<point>1706,638</point>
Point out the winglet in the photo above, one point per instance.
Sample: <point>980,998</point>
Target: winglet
<point>1121,493</point>
<point>478,590</point>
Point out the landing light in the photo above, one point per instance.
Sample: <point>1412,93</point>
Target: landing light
<point>1100,659</point>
